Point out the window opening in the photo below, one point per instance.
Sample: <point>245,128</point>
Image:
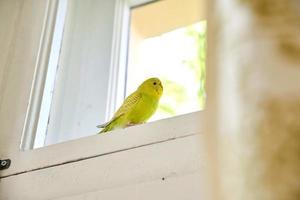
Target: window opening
<point>168,40</point>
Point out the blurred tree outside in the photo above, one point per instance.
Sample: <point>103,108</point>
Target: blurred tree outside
<point>176,93</point>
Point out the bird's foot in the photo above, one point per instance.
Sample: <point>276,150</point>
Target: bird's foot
<point>130,124</point>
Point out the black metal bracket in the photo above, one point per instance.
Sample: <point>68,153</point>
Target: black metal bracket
<point>4,164</point>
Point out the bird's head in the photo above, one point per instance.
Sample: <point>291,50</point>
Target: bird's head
<point>152,86</point>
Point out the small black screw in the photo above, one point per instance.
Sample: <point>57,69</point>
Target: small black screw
<point>4,164</point>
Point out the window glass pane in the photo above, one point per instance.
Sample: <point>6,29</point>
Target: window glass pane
<point>167,40</point>
<point>75,95</point>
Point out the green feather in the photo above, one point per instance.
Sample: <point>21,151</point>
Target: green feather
<point>137,107</point>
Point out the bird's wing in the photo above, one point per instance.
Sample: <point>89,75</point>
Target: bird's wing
<point>109,122</point>
<point>127,105</point>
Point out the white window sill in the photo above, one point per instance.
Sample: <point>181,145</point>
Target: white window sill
<point>159,156</point>
<point>98,145</point>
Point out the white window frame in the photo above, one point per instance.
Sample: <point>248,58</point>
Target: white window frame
<point>92,147</point>
<point>39,78</point>
<point>42,80</point>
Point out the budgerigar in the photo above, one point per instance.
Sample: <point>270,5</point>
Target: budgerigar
<point>137,107</point>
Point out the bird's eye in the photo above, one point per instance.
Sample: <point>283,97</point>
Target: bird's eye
<point>154,83</point>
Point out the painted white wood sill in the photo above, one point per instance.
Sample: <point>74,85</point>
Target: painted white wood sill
<point>163,168</point>
<point>99,145</point>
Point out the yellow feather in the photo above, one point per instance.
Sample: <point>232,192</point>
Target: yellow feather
<point>137,107</point>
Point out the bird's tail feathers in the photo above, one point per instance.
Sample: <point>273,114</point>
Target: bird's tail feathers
<point>103,125</point>
<point>108,126</point>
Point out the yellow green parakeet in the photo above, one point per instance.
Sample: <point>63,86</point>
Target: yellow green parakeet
<point>137,107</point>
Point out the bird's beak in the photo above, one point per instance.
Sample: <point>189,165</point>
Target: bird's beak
<point>161,86</point>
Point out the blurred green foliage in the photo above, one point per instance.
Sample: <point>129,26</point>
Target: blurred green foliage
<point>175,94</point>
<point>197,65</point>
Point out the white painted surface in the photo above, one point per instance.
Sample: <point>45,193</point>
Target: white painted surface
<point>134,3</point>
<point>118,65</point>
<point>54,46</point>
<point>185,187</point>
<point>18,72</point>
<point>103,144</point>
<point>168,160</point>
<point>80,92</point>
<point>138,155</point>
<point>22,34</point>
<point>40,72</point>
<point>9,13</point>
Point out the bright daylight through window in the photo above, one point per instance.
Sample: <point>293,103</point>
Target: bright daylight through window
<point>172,47</point>
<point>166,39</point>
